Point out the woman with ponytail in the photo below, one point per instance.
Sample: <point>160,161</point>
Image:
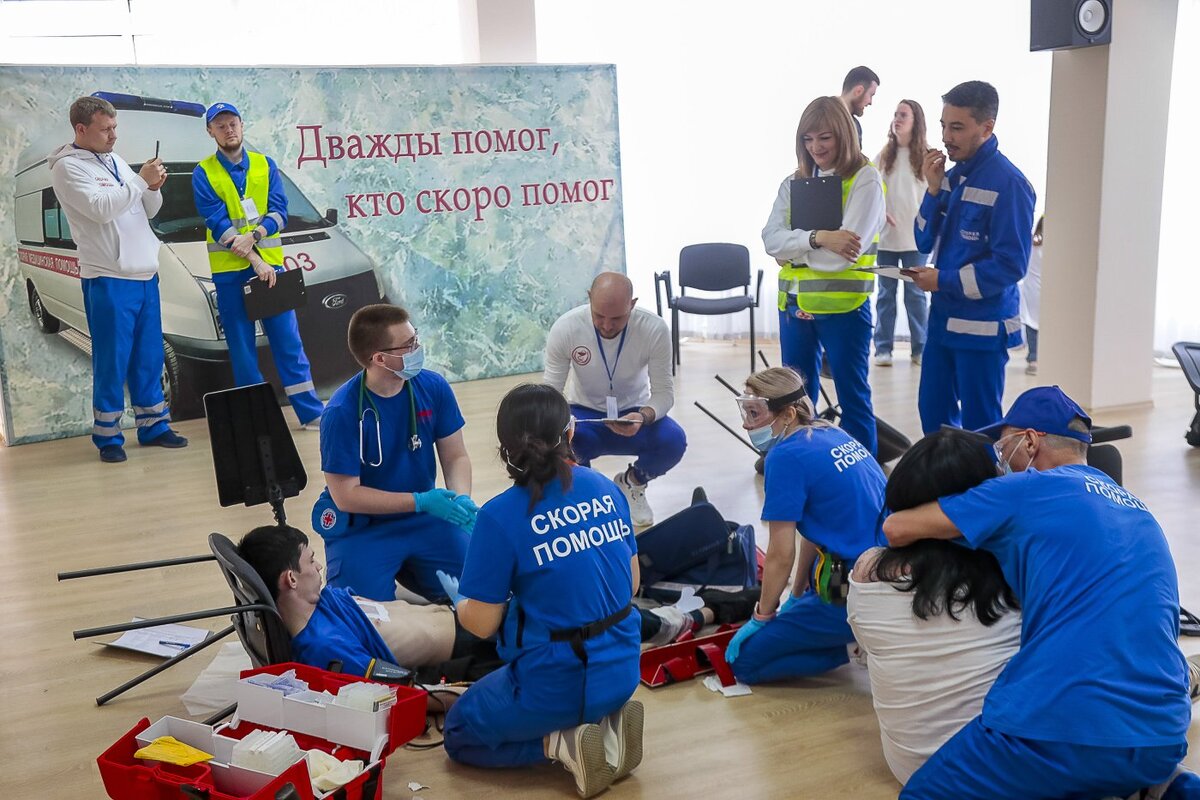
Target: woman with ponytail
<point>550,570</point>
<point>823,483</point>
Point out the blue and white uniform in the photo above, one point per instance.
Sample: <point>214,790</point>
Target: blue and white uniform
<point>832,488</point>
<point>1095,703</point>
<point>282,330</point>
<point>978,228</point>
<point>378,550</point>
<point>561,566</point>
<point>338,630</point>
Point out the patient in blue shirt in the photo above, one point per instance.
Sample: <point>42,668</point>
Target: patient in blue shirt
<point>328,625</point>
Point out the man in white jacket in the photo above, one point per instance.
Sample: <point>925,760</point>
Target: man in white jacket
<point>108,207</point>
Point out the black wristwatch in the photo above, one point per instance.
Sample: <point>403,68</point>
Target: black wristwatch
<point>812,241</point>
<point>257,235</point>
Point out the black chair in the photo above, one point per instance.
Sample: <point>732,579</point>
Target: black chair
<point>1188,356</point>
<point>711,267</point>
<point>1106,457</point>
<point>257,620</point>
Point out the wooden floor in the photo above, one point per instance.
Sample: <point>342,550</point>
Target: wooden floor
<point>61,509</point>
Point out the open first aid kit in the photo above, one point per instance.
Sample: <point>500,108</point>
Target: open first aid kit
<point>351,723</point>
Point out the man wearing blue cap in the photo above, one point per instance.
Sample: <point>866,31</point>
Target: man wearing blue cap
<point>240,194</point>
<point>1096,701</point>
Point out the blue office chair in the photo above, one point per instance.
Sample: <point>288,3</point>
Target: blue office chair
<point>711,267</point>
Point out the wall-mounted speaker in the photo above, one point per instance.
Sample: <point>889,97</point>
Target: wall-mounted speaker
<point>1065,24</point>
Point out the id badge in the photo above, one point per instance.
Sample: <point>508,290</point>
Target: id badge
<point>610,407</point>
<point>250,209</point>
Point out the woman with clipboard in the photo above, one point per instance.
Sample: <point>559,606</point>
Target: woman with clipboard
<point>824,284</point>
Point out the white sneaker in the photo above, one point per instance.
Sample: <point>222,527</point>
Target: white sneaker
<point>639,509</point>
<point>674,623</point>
<point>883,359</point>
<point>623,738</point>
<point>581,751</point>
<point>1031,368</point>
<point>916,359</point>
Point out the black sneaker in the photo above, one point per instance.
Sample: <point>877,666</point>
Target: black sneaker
<point>730,607</point>
<point>169,439</point>
<point>112,454</point>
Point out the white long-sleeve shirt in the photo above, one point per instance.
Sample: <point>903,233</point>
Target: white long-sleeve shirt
<point>863,214</point>
<point>109,218</point>
<point>904,191</point>
<point>641,375</point>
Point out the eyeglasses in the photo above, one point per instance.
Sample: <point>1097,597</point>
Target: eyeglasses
<point>407,347</point>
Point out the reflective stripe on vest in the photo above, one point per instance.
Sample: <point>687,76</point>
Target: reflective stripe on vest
<point>258,181</point>
<point>830,292</point>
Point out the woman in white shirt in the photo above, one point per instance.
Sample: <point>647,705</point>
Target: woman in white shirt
<point>900,163</point>
<point>935,619</point>
<point>823,298</point>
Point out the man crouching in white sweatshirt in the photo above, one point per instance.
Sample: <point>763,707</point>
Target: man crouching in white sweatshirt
<point>108,207</point>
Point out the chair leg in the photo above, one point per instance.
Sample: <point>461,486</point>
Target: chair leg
<point>751,340</point>
<point>674,339</point>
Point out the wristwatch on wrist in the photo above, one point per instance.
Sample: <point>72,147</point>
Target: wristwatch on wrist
<point>812,241</point>
<point>257,235</point>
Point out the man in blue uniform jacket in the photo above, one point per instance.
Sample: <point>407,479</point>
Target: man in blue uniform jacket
<point>977,221</point>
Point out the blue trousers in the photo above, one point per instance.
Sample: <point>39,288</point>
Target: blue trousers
<point>847,342</point>
<point>963,388</point>
<point>658,446</point>
<point>286,349</point>
<point>370,558</point>
<point>916,304</point>
<point>808,639</point>
<point>978,762</point>
<point>125,323</point>
<point>501,720</point>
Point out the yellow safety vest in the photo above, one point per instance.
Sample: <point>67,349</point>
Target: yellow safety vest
<point>258,180</point>
<point>829,292</point>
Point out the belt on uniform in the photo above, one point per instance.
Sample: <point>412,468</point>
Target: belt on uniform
<point>577,636</point>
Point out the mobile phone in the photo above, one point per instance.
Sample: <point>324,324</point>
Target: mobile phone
<point>156,149</point>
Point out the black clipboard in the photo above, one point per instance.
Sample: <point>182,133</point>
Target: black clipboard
<point>286,295</point>
<point>817,204</point>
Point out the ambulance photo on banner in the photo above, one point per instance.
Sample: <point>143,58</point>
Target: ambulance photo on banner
<point>483,199</point>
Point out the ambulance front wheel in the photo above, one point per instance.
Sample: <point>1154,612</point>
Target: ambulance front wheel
<point>177,390</point>
<point>46,322</point>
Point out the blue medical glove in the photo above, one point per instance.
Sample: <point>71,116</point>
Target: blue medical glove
<point>792,600</point>
<point>440,503</point>
<point>450,586</point>
<point>751,627</point>
<point>467,504</point>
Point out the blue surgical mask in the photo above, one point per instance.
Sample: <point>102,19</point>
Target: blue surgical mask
<point>412,364</point>
<point>764,438</point>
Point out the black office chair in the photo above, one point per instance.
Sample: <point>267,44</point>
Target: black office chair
<point>1188,356</point>
<point>711,267</point>
<point>257,620</point>
<point>1106,457</point>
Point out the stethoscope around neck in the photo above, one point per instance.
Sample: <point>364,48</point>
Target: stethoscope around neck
<point>364,397</point>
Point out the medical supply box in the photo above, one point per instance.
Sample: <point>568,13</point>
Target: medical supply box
<point>346,733</point>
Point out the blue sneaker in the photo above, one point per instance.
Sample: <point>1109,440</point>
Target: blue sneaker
<point>112,454</point>
<point>169,439</point>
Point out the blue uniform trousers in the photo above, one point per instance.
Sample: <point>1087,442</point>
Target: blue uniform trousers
<point>658,446</point>
<point>808,639</point>
<point>847,342</point>
<point>960,387</point>
<point>370,558</point>
<point>286,349</point>
<point>978,762</point>
<point>125,324</point>
<point>500,721</point>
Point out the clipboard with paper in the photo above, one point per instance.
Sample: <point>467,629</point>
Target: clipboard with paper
<point>817,203</point>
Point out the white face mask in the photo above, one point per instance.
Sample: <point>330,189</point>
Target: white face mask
<point>413,362</point>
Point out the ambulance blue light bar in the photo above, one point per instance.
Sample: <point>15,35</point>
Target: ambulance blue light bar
<point>132,102</point>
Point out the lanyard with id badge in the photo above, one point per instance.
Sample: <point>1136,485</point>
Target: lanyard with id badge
<point>611,410</point>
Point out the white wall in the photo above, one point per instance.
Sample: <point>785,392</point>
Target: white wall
<point>711,91</point>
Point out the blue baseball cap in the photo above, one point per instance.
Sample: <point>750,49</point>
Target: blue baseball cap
<point>220,108</point>
<point>1045,409</point>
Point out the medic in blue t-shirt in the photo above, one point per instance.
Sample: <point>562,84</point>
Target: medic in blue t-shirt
<point>1095,703</point>
<point>551,570</point>
<point>380,515</point>
<point>823,483</point>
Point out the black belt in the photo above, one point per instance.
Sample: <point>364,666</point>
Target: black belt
<point>577,636</point>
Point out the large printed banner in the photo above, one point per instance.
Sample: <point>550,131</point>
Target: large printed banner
<point>484,199</point>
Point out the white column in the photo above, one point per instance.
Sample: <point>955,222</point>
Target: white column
<point>499,31</point>
<point>1107,155</point>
